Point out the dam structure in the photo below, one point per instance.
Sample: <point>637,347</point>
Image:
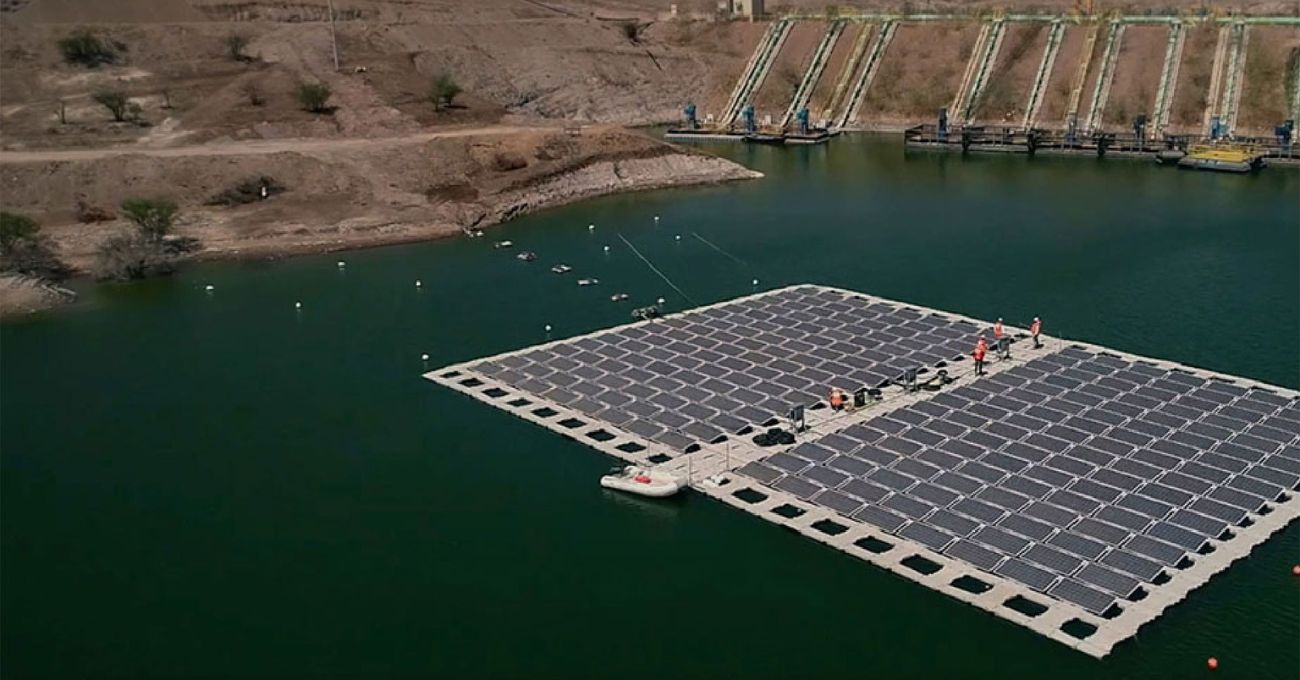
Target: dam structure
<point>1069,82</point>
<point>1076,490</point>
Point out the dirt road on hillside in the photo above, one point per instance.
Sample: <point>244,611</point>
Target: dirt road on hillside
<point>257,147</point>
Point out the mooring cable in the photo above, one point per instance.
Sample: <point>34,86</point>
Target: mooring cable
<point>714,246</point>
<point>656,270</point>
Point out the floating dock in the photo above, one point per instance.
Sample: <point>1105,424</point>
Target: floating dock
<point>992,139</point>
<point>1073,489</point>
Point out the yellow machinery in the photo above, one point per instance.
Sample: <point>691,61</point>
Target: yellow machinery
<point>1223,157</point>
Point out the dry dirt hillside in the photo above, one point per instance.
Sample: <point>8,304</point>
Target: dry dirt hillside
<point>329,194</point>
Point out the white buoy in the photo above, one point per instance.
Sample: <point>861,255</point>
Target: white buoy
<point>418,284</point>
<point>297,305</point>
<point>424,357</point>
<point>607,249</point>
<point>591,227</point>
<point>209,288</point>
<point>661,302</point>
<point>678,237</point>
<point>656,219</point>
<point>548,328</point>
<point>342,264</point>
<point>754,282</point>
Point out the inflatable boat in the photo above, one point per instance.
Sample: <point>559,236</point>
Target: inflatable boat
<point>642,482</point>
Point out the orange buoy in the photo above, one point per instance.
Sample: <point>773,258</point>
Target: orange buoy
<point>1295,571</point>
<point>1213,663</point>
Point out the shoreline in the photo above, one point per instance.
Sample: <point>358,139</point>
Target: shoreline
<point>649,165</point>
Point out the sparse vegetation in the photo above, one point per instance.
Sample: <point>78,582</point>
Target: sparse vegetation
<point>129,256</point>
<point>84,48</point>
<point>314,97</point>
<point>149,251</point>
<point>24,251</point>
<point>248,191</point>
<point>153,217</point>
<point>15,228</point>
<point>235,44</point>
<point>118,104</point>
<point>444,91</point>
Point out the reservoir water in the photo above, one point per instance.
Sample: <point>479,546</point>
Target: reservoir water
<point>214,484</point>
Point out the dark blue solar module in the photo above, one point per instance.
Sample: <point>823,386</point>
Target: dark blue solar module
<point>705,374</point>
<point>1080,475</point>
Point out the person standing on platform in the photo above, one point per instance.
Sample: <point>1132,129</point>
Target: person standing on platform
<point>981,350</point>
<point>997,330</point>
<point>1034,329</point>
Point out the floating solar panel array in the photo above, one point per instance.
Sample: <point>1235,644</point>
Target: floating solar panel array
<point>1081,475</point>
<point>699,376</point>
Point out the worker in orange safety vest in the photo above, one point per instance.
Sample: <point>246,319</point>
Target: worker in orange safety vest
<point>981,349</point>
<point>1034,329</point>
<point>997,329</point>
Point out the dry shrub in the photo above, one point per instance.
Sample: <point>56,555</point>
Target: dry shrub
<point>505,161</point>
<point>248,190</point>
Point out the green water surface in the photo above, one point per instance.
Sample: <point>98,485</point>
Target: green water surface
<point>214,485</point>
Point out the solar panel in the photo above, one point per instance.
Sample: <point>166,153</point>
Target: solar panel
<point>1108,580</point>
<point>1081,462</point>
<point>798,487</point>
<point>1023,572</point>
<point>974,554</point>
<point>1159,551</point>
<point>1177,535</point>
<point>1091,599</point>
<point>837,502</point>
<point>908,506</point>
<point>953,523</point>
<point>1026,527</point>
<point>880,517</point>
<point>867,491</point>
<point>1079,545</point>
<point>760,472</point>
<point>926,535</point>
